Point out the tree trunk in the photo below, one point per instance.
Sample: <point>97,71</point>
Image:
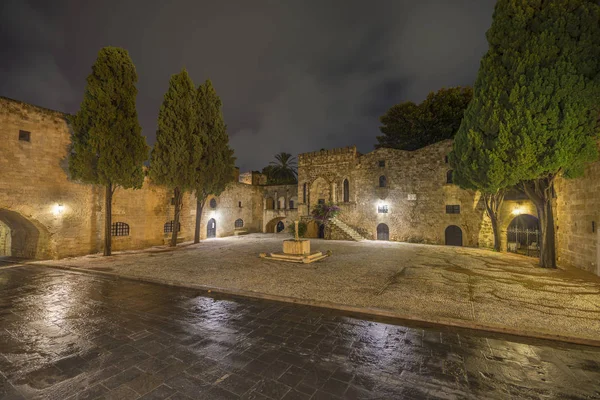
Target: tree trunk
<point>539,192</point>
<point>108,219</point>
<point>199,206</point>
<point>493,202</point>
<point>178,202</point>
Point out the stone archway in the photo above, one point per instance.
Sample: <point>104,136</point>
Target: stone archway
<point>523,235</point>
<point>271,226</point>
<point>21,237</point>
<point>211,228</point>
<point>383,232</point>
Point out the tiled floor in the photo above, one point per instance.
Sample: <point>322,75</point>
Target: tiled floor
<point>77,336</point>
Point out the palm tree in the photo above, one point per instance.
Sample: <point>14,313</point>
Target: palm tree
<point>283,169</point>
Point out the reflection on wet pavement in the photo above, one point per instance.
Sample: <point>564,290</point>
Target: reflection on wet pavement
<point>76,336</point>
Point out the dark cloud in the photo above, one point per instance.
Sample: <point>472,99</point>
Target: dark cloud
<point>293,76</point>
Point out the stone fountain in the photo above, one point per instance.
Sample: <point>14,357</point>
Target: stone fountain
<point>296,250</point>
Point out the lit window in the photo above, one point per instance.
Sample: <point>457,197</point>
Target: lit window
<point>382,209</point>
<point>453,209</point>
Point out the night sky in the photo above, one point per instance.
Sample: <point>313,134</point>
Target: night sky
<point>294,76</point>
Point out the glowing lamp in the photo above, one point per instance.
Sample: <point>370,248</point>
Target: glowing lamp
<point>517,211</point>
<point>58,209</point>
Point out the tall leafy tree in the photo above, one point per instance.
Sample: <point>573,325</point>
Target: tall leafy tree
<point>410,126</point>
<point>215,168</point>
<point>107,145</point>
<point>546,56</point>
<point>283,170</point>
<point>174,158</point>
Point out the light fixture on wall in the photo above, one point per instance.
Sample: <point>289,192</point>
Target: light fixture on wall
<point>58,209</point>
<point>517,211</point>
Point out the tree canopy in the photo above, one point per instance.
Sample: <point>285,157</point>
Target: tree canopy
<point>107,144</point>
<point>283,170</point>
<point>410,126</point>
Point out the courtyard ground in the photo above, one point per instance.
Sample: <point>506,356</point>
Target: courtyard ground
<point>466,287</point>
<point>73,336</point>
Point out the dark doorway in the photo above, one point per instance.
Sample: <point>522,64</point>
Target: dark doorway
<point>523,235</point>
<point>383,232</point>
<point>211,229</point>
<point>280,226</point>
<point>346,191</point>
<point>322,231</point>
<point>453,236</point>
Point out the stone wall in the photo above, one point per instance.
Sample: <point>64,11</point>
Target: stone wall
<point>50,216</point>
<point>577,219</point>
<point>415,194</point>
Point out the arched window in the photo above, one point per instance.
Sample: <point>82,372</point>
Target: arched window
<point>382,181</point>
<point>213,203</point>
<point>239,223</point>
<point>119,229</point>
<point>346,191</point>
<point>304,193</point>
<point>169,227</point>
<point>449,177</point>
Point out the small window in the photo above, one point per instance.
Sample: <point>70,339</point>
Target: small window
<point>292,204</point>
<point>168,228</point>
<point>453,209</point>
<point>446,159</point>
<point>381,163</point>
<point>382,209</point>
<point>321,201</point>
<point>304,193</point>
<point>449,177</point>
<point>239,204</point>
<point>213,203</point>
<point>25,136</point>
<point>382,181</point>
<point>172,201</point>
<point>239,223</point>
<point>119,229</point>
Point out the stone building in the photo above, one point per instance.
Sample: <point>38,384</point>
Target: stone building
<point>386,194</point>
<point>44,214</point>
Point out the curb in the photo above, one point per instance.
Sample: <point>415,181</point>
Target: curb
<point>394,317</point>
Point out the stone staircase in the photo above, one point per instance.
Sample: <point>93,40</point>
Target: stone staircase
<point>348,230</point>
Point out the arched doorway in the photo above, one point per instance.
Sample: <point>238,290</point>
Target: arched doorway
<point>523,235</point>
<point>321,231</point>
<point>22,238</point>
<point>280,226</point>
<point>211,228</point>
<point>383,232</point>
<point>453,236</point>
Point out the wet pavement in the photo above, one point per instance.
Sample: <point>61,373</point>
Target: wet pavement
<point>76,336</point>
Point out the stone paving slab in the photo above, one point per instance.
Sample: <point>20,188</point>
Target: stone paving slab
<point>452,285</point>
<point>78,336</point>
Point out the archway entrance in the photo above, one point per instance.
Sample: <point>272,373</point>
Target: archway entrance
<point>523,235</point>
<point>21,238</point>
<point>453,236</point>
<point>211,229</point>
<point>383,232</point>
<point>280,226</point>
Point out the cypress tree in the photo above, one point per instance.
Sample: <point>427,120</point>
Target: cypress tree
<point>174,157</point>
<point>216,162</point>
<point>107,145</point>
<point>542,120</point>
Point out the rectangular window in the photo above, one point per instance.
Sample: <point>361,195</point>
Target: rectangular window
<point>25,136</point>
<point>453,209</point>
<point>381,163</point>
<point>412,196</point>
<point>239,204</point>
<point>382,209</point>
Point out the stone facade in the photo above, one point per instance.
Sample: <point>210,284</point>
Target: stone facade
<point>405,191</point>
<point>44,214</point>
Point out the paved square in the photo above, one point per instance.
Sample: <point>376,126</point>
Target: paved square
<point>77,336</point>
<point>471,287</point>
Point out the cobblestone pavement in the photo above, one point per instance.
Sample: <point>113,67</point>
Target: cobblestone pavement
<point>76,336</point>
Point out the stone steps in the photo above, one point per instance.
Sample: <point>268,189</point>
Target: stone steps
<point>348,230</point>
